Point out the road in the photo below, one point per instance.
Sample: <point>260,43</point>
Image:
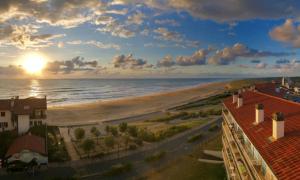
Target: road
<point>92,169</point>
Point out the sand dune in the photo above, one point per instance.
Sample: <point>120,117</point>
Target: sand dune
<point>126,107</point>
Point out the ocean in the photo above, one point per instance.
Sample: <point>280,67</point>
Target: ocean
<point>68,91</point>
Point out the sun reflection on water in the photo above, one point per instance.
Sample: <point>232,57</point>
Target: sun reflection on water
<point>34,88</point>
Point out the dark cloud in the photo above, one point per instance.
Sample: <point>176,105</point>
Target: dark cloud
<point>128,62</point>
<point>24,36</point>
<point>282,61</point>
<point>229,10</point>
<point>69,66</point>
<point>255,61</point>
<point>230,54</point>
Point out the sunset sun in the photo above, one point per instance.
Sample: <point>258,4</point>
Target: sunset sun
<point>33,63</point>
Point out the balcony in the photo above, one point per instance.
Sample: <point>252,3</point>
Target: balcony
<point>236,137</point>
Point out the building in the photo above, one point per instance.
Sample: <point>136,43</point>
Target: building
<point>261,136</point>
<point>21,114</point>
<point>27,150</point>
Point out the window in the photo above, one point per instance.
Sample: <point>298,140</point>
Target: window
<point>30,123</point>
<point>2,114</point>
<point>3,125</point>
<point>40,122</point>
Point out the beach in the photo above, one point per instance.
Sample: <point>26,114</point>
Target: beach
<point>100,111</point>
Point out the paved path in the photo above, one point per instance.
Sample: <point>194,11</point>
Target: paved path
<point>68,143</point>
<point>210,161</point>
<point>217,154</point>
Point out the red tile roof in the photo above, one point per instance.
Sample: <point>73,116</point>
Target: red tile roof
<point>282,155</point>
<point>23,106</point>
<point>269,88</point>
<point>27,142</point>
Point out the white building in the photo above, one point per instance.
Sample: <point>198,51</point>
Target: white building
<point>21,114</point>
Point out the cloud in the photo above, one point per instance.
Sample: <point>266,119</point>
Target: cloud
<point>287,33</point>
<point>180,40</point>
<point>282,61</point>
<point>69,66</point>
<point>97,44</point>
<point>116,29</point>
<point>166,61</point>
<point>198,58</point>
<point>227,10</point>
<point>261,65</point>
<point>255,61</point>
<point>25,36</point>
<point>288,67</point>
<point>128,62</point>
<point>230,54</point>
<point>101,45</point>
<point>136,18</point>
<point>11,71</point>
<point>169,22</point>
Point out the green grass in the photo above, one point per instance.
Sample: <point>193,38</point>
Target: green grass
<point>194,138</point>
<point>155,156</point>
<point>118,169</point>
<point>188,166</point>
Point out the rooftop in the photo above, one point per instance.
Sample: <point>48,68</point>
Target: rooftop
<point>27,142</point>
<point>282,155</point>
<point>23,106</point>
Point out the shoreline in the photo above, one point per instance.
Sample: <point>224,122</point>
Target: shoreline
<point>107,110</point>
<point>86,102</point>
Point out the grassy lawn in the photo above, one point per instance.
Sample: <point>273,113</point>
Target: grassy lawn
<point>188,167</point>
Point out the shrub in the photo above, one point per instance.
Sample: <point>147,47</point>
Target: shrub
<point>170,117</point>
<point>95,132</point>
<point>114,131</point>
<point>88,145</point>
<point>123,127</point>
<point>194,138</point>
<point>132,147</point>
<point>155,156</point>
<point>146,135</point>
<point>172,131</point>
<point>118,169</point>
<point>79,133</point>
<point>109,141</point>
<point>132,131</point>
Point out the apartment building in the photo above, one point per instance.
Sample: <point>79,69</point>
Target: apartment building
<point>21,114</point>
<point>261,136</point>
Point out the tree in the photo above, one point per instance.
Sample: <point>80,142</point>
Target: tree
<point>109,141</point>
<point>114,131</point>
<point>79,134</point>
<point>88,145</point>
<point>95,132</point>
<point>126,140</point>
<point>133,131</point>
<point>123,127</point>
<point>107,129</point>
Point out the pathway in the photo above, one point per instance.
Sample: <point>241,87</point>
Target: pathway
<point>68,143</point>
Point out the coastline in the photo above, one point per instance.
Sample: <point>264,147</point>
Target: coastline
<point>106,110</point>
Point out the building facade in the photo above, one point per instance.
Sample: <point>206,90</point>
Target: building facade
<point>261,136</point>
<point>21,114</point>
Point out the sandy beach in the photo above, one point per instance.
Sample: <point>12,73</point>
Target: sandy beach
<point>127,107</point>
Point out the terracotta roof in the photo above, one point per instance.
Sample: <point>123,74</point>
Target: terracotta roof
<point>269,88</point>
<point>27,142</point>
<point>23,106</point>
<point>282,155</point>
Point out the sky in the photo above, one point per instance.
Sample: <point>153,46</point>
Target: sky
<point>150,39</point>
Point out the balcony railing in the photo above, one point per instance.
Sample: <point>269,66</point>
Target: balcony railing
<point>251,163</point>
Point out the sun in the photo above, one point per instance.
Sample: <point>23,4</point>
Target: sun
<point>33,63</point>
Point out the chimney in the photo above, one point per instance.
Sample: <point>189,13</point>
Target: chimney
<point>278,125</point>
<point>239,101</point>
<point>234,97</point>
<point>259,113</point>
